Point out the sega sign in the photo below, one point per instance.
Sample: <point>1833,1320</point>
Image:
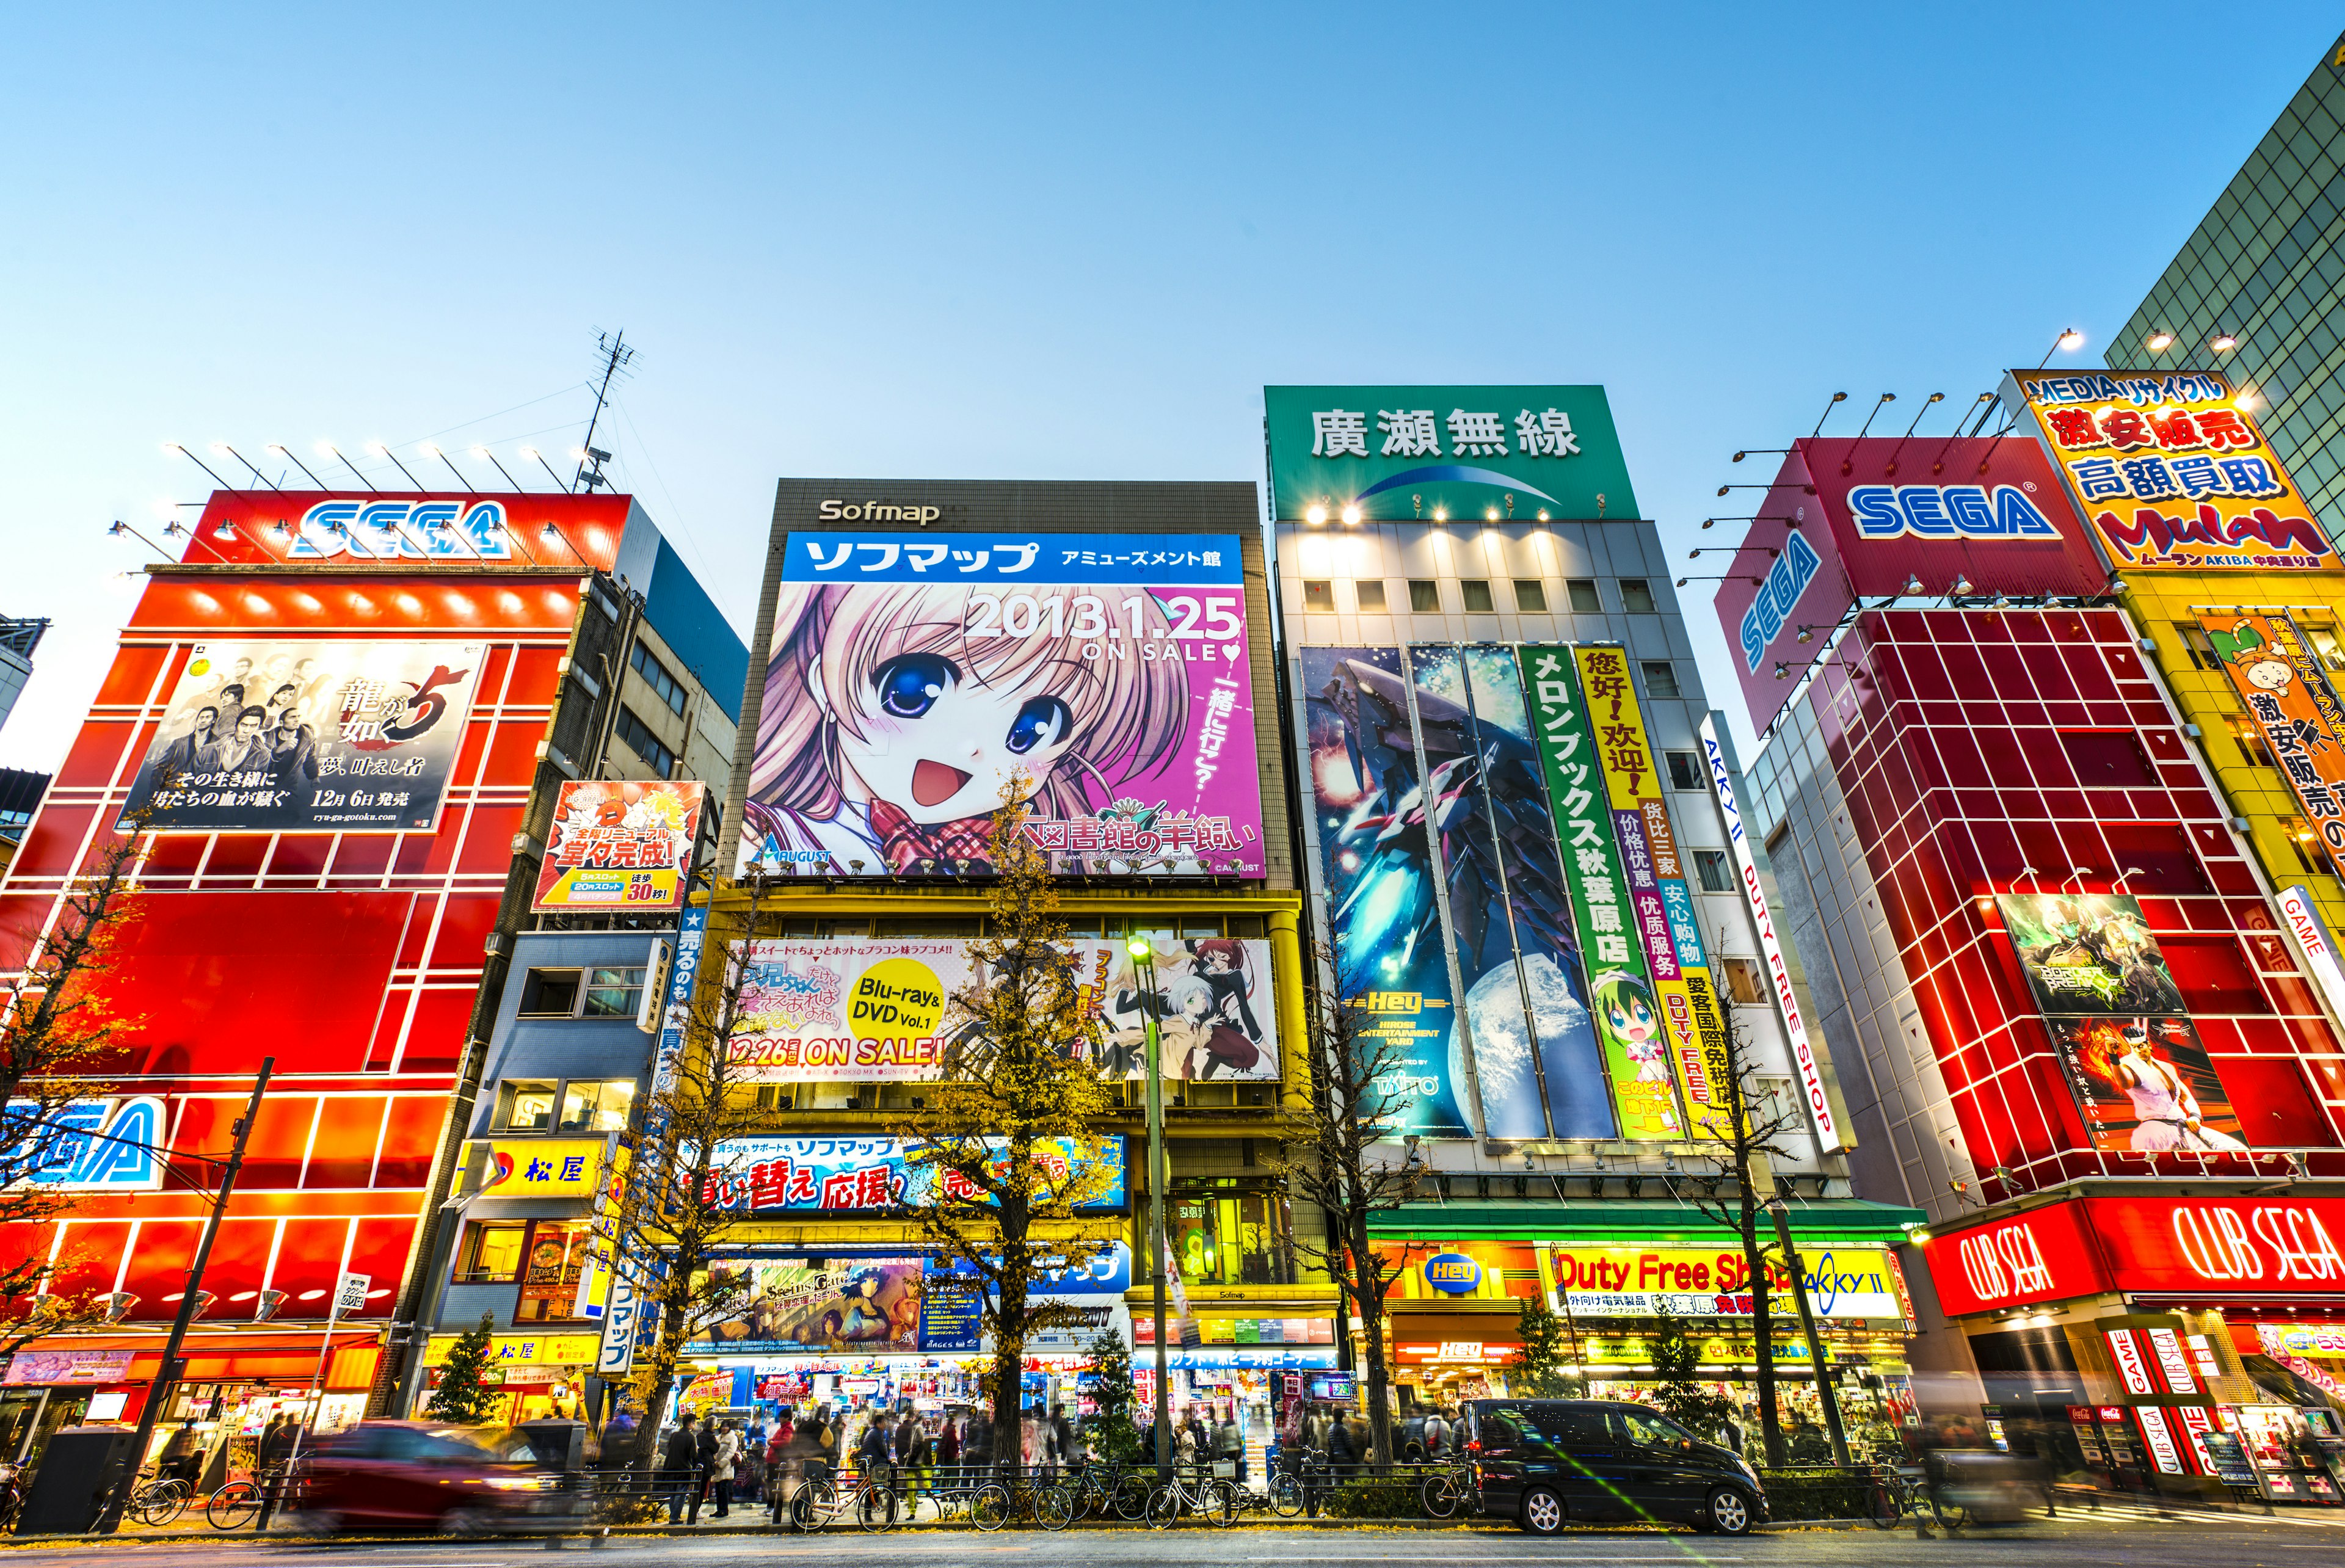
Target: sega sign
<point>1946,511</point>
<point>1453,1274</point>
<point>402,531</point>
<point>104,1145</point>
<point>1787,578</point>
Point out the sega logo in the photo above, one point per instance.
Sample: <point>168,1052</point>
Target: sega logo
<point>1787,578</point>
<point>1946,511</point>
<point>1452,1273</point>
<point>402,531</point>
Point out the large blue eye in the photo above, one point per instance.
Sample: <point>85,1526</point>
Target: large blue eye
<point>910,683</point>
<point>1039,722</point>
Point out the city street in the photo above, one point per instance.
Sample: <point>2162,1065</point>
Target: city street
<point>2113,1537</point>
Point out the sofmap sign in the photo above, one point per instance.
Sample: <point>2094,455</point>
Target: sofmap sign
<point>104,1145</point>
<point>2173,472</point>
<point>1432,453</point>
<point>2229,1249</point>
<point>1770,949</point>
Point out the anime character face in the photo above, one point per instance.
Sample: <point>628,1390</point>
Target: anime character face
<point>2267,674</point>
<point>1627,1012</point>
<point>940,744</point>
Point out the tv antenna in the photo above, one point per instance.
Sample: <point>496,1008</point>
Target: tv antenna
<point>611,348</point>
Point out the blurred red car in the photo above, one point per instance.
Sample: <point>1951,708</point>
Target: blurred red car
<point>406,1475</point>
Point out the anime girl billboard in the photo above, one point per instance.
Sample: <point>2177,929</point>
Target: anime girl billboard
<point>913,678</point>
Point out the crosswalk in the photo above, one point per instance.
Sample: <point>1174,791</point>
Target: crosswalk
<point>2114,1510</point>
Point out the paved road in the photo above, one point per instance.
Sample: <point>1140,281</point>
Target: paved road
<point>2120,1539</point>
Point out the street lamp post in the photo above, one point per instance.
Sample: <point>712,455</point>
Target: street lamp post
<point>1144,967</point>
<point>1825,1393</point>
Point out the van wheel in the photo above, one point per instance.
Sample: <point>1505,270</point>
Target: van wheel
<point>1542,1512</point>
<point>1728,1511</point>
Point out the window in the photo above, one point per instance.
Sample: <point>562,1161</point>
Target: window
<point>1370,592</point>
<point>1661,677</point>
<point>555,1257</point>
<point>1636,596</point>
<point>2107,757</point>
<point>666,687</point>
<point>550,993</point>
<point>523,1105</point>
<point>644,744</point>
<point>489,1254</point>
<point>1649,1429</point>
<point>2196,642</point>
<point>1529,597</point>
<point>1581,593</point>
<point>1318,595</point>
<point>1477,595</point>
<point>1685,771</point>
<point>1229,1232</point>
<point>2301,839</point>
<point>1711,865</point>
<point>1424,598</point>
<point>613,993</point>
<point>1745,981</point>
<point>2325,645</point>
<point>596,1105</point>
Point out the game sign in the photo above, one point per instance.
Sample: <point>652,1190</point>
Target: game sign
<point>619,844</point>
<point>307,737</point>
<point>2172,472</point>
<point>913,678</point>
<point>852,1009</point>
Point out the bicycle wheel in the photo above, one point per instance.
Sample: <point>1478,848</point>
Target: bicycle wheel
<point>1130,1498</point>
<point>1438,1494</point>
<point>1950,1514</point>
<point>1221,1503</point>
<point>810,1509</point>
<point>990,1508</point>
<point>875,1508</point>
<point>1164,1507</point>
<point>233,1506</point>
<point>1054,1506</point>
<point>1884,1509</point>
<point>1286,1497</point>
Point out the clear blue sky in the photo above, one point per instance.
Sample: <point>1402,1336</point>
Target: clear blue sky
<point>1036,242</point>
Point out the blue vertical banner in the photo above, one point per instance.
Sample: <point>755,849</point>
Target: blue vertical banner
<point>1366,791</point>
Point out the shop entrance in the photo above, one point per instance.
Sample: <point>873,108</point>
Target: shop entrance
<point>2031,1377</point>
<point>29,1417</point>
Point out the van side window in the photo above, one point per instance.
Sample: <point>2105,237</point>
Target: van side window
<point>1498,1434</point>
<point>1535,1440</point>
<point>1650,1430</point>
<point>1575,1427</point>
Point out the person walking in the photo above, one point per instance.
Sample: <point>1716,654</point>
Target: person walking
<point>1229,1444</point>
<point>779,1451</point>
<point>918,1458</point>
<point>1436,1433</point>
<point>679,1469</point>
<point>723,1456</point>
<point>1343,1454</point>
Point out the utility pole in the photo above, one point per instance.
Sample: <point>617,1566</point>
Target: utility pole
<point>159,1394</point>
<point>1143,962</point>
<point>1825,1392</point>
<point>615,352</point>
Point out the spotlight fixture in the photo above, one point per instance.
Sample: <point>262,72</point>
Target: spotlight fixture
<point>1352,515</point>
<point>1782,671</point>
<point>1962,588</point>
<point>2160,342</point>
<point>1912,584</point>
<point>2071,341</point>
<point>1314,514</point>
<point>2223,343</point>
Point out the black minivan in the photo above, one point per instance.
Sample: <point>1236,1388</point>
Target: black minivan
<point>1550,1462</point>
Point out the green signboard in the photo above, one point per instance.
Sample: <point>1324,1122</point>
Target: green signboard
<point>1619,984</point>
<point>1380,453</point>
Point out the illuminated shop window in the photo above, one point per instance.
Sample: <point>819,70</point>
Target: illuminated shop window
<point>1229,1232</point>
<point>524,1105</point>
<point>555,1257</point>
<point>489,1254</point>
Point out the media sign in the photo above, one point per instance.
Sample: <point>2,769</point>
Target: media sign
<point>619,845</point>
<point>2274,1249</point>
<point>1432,453</point>
<point>2173,472</point>
<point>422,531</point>
<point>1850,519</point>
<point>913,678</point>
<point>307,737</point>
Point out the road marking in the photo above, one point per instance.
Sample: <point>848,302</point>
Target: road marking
<point>1485,1557</point>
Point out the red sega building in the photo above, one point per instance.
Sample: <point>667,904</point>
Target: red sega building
<point>2050,971</point>
<point>353,956</point>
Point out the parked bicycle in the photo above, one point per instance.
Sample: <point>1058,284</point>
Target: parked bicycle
<point>158,1500</point>
<point>820,1500</point>
<point>1448,1488</point>
<point>1039,1495</point>
<point>1102,1487</point>
<point>1291,1491</point>
<point>1898,1490</point>
<point>1198,1492</point>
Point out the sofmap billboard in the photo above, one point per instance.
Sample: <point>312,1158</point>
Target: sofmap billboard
<point>914,676</point>
<point>1401,454</point>
<point>848,1009</point>
<point>619,845</point>
<point>307,737</point>
<point>1849,519</point>
<point>2173,473</point>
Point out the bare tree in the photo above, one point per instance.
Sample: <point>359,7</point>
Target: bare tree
<point>683,1204</point>
<point>1006,1141</point>
<point>56,1028</point>
<point>1352,1121</point>
<point>1741,1149</point>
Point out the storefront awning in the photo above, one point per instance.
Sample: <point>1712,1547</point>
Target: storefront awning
<point>1649,1220</point>
<point>280,1357</point>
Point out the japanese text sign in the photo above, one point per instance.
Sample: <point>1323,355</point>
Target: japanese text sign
<point>307,737</point>
<point>543,1168</point>
<point>913,678</point>
<point>2173,473</point>
<point>2295,711</point>
<point>619,845</point>
<point>875,1174</point>
<point>1422,453</point>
